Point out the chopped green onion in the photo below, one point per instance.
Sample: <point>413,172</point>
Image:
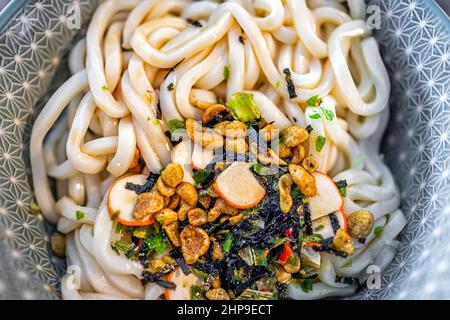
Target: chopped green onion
<point>329,114</point>
<point>243,107</point>
<point>343,191</point>
<point>176,124</point>
<point>226,72</point>
<point>80,215</point>
<point>320,143</point>
<point>312,101</point>
<point>315,116</point>
<point>227,243</point>
<point>200,273</point>
<point>105,88</point>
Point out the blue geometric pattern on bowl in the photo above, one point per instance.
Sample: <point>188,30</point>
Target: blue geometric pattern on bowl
<point>415,42</point>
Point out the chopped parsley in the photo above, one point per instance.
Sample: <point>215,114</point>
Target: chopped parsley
<point>320,143</point>
<point>157,241</point>
<point>80,215</point>
<point>378,231</point>
<point>307,285</point>
<point>122,246</point>
<point>226,73</point>
<point>201,176</point>
<point>105,88</point>
<point>176,124</point>
<point>156,122</point>
<point>309,128</point>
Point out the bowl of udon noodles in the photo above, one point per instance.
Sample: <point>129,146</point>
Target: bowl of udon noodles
<point>222,150</point>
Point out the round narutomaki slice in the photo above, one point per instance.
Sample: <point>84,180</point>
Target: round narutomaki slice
<point>238,187</point>
<point>183,284</point>
<point>328,198</point>
<point>121,201</point>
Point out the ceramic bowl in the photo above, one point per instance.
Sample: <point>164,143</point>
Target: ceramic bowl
<point>415,42</point>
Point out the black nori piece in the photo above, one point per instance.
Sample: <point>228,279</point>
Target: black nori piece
<point>146,187</point>
<point>334,222</point>
<point>307,219</point>
<point>290,83</point>
<point>194,23</point>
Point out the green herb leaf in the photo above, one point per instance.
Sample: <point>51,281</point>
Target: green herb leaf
<point>312,238</point>
<point>80,215</point>
<point>197,293</point>
<point>200,273</point>
<point>243,107</point>
<point>176,124</point>
<point>343,191</point>
<point>226,72</point>
<point>105,88</point>
<point>320,143</point>
<point>307,285</point>
<point>122,246</point>
<point>309,128</point>
<point>296,193</point>
<point>348,264</point>
<point>141,232</point>
<point>312,101</point>
<point>319,227</point>
<point>201,176</point>
<point>227,243</point>
<point>315,116</point>
<point>378,231</point>
<point>157,242</point>
<point>329,114</point>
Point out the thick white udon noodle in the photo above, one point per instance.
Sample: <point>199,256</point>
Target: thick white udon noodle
<point>131,45</point>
